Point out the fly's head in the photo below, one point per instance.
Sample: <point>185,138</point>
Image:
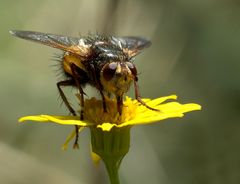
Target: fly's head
<point>116,76</point>
<point>115,56</point>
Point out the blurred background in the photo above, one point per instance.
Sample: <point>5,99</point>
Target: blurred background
<point>195,54</point>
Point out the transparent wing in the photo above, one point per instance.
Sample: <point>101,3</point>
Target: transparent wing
<point>65,43</point>
<point>134,45</point>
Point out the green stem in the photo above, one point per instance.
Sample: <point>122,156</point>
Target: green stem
<point>112,166</point>
<point>111,146</point>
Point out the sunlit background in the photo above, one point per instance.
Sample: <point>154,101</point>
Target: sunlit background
<point>195,54</point>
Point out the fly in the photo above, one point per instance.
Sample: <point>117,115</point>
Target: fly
<point>104,62</point>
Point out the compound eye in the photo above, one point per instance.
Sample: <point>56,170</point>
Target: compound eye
<point>132,67</point>
<point>109,70</point>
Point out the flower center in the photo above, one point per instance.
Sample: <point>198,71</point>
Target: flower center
<point>93,111</point>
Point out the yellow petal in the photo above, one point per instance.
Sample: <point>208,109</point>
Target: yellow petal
<point>106,126</point>
<point>168,110</point>
<point>95,157</point>
<point>63,120</point>
<point>32,118</point>
<point>160,100</point>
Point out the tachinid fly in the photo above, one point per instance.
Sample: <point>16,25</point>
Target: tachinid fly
<point>104,62</point>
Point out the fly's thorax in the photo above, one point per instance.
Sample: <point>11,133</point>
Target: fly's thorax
<point>116,77</point>
<point>69,59</point>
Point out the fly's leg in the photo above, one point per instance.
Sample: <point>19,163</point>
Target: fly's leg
<point>119,104</point>
<point>138,97</point>
<point>74,69</point>
<point>72,111</point>
<point>103,101</point>
<point>66,83</point>
<point>99,86</point>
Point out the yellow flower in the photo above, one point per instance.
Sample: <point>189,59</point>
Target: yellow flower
<point>110,132</point>
<point>133,113</point>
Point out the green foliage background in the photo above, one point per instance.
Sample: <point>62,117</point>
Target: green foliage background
<point>194,54</point>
